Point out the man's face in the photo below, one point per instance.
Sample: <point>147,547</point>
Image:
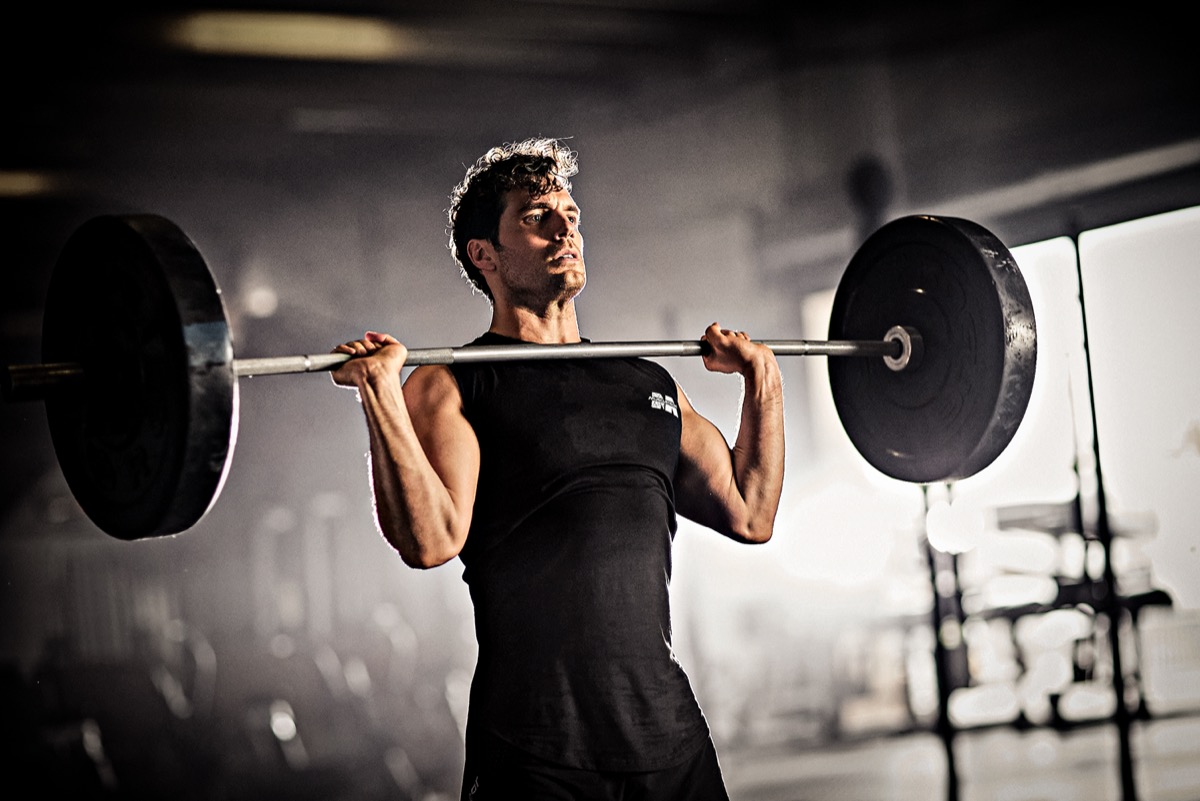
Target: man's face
<point>540,257</point>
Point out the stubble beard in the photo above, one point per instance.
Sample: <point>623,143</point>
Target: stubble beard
<point>556,290</point>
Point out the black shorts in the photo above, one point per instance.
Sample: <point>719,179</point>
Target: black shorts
<point>499,772</point>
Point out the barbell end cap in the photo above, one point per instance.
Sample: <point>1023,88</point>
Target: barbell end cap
<point>912,348</point>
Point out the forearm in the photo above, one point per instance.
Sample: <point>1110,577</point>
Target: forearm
<point>414,509</point>
<point>758,451</point>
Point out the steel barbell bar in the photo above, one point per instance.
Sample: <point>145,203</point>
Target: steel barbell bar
<point>899,348</point>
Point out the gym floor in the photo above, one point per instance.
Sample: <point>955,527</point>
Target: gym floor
<point>992,765</point>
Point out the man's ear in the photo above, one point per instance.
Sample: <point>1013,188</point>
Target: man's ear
<point>482,254</point>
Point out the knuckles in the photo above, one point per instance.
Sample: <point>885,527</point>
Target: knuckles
<point>730,351</point>
<point>369,356</point>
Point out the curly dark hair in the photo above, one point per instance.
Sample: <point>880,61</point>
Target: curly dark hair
<point>540,165</point>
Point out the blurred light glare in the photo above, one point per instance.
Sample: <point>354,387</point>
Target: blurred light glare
<point>983,705</point>
<point>1047,673</point>
<point>93,743</point>
<point>954,526</point>
<point>1055,629</point>
<point>1095,560</point>
<point>946,583</point>
<point>1035,704</point>
<point>950,633</point>
<point>260,302</point>
<point>1009,591</point>
<point>291,35</point>
<point>358,678</point>
<point>1020,550</point>
<point>1072,555</point>
<point>1128,556</point>
<point>990,654</point>
<point>283,723</point>
<point>1087,701</point>
<point>18,183</point>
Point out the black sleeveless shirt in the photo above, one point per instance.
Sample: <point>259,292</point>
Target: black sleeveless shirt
<point>568,561</point>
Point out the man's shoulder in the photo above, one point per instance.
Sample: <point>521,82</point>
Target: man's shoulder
<point>430,384</point>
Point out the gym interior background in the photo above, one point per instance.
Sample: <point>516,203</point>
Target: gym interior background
<point>733,157</point>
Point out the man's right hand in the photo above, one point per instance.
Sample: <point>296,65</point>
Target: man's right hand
<point>387,355</point>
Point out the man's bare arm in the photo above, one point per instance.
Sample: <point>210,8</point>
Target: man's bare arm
<point>735,491</point>
<point>424,453</point>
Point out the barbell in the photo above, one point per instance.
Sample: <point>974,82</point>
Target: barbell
<point>140,383</point>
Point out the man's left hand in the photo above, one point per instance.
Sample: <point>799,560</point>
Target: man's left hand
<point>731,351</point>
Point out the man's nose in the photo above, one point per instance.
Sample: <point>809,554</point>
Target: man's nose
<point>566,227</point>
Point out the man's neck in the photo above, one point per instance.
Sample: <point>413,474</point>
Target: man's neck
<point>555,326</point>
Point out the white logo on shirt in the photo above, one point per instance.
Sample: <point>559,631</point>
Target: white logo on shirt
<point>664,402</point>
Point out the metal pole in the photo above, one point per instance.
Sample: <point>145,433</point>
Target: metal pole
<point>940,612</point>
<point>1111,603</point>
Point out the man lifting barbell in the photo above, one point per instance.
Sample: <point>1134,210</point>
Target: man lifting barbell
<point>557,484</point>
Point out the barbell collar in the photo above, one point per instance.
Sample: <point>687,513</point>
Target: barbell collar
<point>912,347</point>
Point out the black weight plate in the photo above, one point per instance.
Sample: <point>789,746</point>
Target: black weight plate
<point>960,288</point>
<point>145,442</point>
